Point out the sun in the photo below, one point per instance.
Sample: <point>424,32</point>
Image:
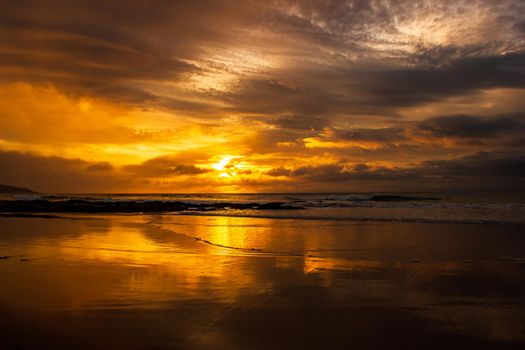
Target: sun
<point>225,166</point>
<point>230,166</point>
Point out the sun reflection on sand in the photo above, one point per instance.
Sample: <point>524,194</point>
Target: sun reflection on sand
<point>174,264</point>
<point>162,265</point>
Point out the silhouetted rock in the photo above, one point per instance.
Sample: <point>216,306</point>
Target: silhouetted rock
<point>277,205</point>
<point>5,189</point>
<point>86,206</point>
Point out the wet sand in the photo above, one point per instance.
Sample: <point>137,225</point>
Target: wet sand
<point>192,282</point>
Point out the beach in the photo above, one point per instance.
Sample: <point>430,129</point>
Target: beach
<point>262,175</point>
<point>174,281</point>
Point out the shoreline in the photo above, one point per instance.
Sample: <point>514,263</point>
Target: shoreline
<point>261,214</point>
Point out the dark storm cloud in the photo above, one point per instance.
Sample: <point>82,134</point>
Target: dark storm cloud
<point>382,86</point>
<point>484,164</point>
<point>164,166</point>
<point>289,129</point>
<point>292,133</point>
<point>101,166</point>
<point>357,90</point>
<point>341,173</point>
<point>480,165</point>
<point>83,58</point>
<point>381,135</point>
<point>55,174</point>
<point>297,122</point>
<point>467,126</point>
<point>110,48</point>
<point>520,26</point>
<point>267,96</point>
<point>491,132</point>
<point>407,87</point>
<point>268,141</point>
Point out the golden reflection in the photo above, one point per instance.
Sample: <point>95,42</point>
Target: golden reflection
<point>125,260</point>
<point>121,262</point>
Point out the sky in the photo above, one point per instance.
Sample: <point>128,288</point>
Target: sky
<point>262,96</point>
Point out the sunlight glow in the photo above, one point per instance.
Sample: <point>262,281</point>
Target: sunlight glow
<point>230,166</point>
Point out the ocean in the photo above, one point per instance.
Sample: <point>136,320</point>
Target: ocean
<point>448,207</point>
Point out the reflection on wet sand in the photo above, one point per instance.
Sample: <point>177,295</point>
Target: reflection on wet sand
<point>220,282</point>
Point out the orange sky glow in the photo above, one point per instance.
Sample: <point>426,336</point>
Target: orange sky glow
<point>277,96</point>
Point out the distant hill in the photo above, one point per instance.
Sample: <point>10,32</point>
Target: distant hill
<point>4,189</point>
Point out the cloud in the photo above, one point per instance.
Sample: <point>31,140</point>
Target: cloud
<point>467,126</point>
<point>481,165</point>
<point>520,26</point>
<point>56,174</point>
<point>116,51</point>
<point>297,122</point>
<point>484,164</point>
<point>341,173</point>
<point>63,175</point>
<point>382,135</point>
<point>164,166</point>
<point>101,166</point>
<point>407,87</point>
<point>477,131</point>
<point>381,89</point>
